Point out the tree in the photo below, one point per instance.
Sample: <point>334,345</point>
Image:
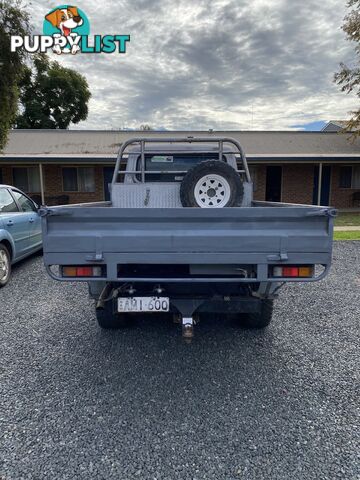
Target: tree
<point>52,96</point>
<point>349,77</point>
<point>14,20</point>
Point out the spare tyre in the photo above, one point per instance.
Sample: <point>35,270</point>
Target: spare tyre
<point>211,184</point>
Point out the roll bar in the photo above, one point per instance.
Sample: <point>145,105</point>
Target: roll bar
<point>142,141</point>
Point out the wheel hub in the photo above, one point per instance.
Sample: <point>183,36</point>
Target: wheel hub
<point>212,191</point>
<point>4,265</point>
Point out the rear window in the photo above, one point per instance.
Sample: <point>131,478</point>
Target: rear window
<point>173,163</point>
<point>7,203</point>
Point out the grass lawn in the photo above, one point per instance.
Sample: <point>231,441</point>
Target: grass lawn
<point>345,219</point>
<point>347,235</point>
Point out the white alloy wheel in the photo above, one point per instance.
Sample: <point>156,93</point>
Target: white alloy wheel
<point>212,191</point>
<point>4,266</point>
<point>211,184</point>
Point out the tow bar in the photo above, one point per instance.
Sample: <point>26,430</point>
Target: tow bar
<point>187,329</point>
<point>187,316</point>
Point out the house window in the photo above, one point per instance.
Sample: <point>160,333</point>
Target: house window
<point>355,181</point>
<point>253,175</point>
<point>27,179</point>
<point>78,179</point>
<point>349,177</point>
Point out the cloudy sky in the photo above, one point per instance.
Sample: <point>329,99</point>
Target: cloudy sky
<point>221,64</point>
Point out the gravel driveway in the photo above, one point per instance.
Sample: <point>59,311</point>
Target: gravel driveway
<point>77,402</point>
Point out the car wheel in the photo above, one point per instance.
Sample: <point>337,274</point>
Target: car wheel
<point>258,320</point>
<point>109,320</point>
<point>5,265</point>
<point>212,184</point>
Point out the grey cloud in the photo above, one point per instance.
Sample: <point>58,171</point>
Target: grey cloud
<point>220,64</point>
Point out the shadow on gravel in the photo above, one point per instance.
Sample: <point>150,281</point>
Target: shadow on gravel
<point>26,261</point>
<point>152,358</point>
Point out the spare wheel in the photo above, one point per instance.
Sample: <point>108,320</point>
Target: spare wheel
<point>212,184</point>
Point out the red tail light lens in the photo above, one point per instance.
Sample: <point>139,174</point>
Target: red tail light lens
<point>290,272</point>
<point>82,271</point>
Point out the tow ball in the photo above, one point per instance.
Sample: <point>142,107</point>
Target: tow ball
<point>187,328</point>
<point>187,324</point>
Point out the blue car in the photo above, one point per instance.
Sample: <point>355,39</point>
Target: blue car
<point>20,229</point>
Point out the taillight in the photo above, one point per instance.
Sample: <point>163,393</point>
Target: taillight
<point>292,271</point>
<point>82,271</point>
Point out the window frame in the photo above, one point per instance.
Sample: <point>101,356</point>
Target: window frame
<point>77,179</point>
<point>11,190</point>
<point>352,177</point>
<point>27,168</point>
<point>339,185</point>
<point>14,200</point>
<point>253,169</point>
<point>351,187</point>
<point>137,176</point>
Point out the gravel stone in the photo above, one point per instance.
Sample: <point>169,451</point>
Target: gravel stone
<point>80,403</point>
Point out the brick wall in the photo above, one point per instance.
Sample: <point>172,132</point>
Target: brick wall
<point>260,182</point>
<point>54,187</point>
<point>6,175</point>
<point>297,183</point>
<point>53,184</point>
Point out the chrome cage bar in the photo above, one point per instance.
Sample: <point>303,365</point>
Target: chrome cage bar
<point>143,141</point>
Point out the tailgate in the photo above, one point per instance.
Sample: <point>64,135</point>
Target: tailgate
<point>257,235</point>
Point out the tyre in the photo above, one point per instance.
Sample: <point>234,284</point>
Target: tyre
<point>5,265</point>
<point>211,184</point>
<point>107,319</point>
<point>259,320</point>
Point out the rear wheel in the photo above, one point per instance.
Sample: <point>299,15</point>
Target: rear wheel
<point>5,265</point>
<point>109,320</point>
<point>261,319</point>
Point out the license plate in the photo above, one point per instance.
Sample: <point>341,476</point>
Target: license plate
<point>143,304</point>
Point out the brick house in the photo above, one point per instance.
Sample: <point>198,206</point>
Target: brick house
<point>74,166</point>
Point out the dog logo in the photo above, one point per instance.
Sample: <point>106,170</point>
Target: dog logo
<point>66,29</point>
<point>69,22</point>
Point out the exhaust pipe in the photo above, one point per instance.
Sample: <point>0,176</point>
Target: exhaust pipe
<point>104,296</point>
